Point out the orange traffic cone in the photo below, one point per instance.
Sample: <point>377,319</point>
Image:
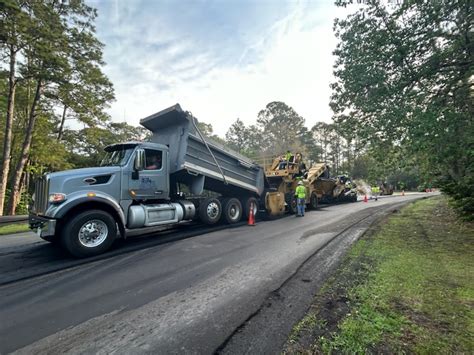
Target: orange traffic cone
<point>365,198</point>
<point>251,216</point>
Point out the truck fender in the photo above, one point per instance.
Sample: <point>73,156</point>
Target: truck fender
<point>83,198</point>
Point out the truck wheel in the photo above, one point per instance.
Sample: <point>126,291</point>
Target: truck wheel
<point>89,233</point>
<point>246,207</point>
<point>232,210</point>
<point>210,211</point>
<point>290,200</point>
<point>313,201</point>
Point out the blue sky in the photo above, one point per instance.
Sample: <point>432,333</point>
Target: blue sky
<point>218,59</point>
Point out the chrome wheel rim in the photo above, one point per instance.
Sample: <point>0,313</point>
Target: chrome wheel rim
<point>212,210</point>
<point>93,233</point>
<point>234,212</point>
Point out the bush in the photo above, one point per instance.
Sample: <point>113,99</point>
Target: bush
<point>461,193</point>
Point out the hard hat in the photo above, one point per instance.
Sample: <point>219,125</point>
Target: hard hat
<point>300,182</point>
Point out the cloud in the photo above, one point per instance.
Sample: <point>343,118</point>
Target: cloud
<point>220,60</point>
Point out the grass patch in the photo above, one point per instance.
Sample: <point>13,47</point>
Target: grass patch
<point>407,286</point>
<point>307,323</point>
<point>14,228</point>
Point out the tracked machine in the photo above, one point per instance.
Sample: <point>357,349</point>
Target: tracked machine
<point>283,176</point>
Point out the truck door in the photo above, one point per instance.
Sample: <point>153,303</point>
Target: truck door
<point>152,182</point>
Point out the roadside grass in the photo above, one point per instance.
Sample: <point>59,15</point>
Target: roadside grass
<point>14,228</point>
<point>406,286</point>
<point>310,321</point>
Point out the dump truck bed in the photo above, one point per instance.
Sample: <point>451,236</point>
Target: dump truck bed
<point>192,155</point>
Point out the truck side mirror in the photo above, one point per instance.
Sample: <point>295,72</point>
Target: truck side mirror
<point>138,163</point>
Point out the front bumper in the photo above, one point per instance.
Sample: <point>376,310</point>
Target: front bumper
<point>45,227</point>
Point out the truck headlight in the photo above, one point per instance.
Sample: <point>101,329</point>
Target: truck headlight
<point>57,198</point>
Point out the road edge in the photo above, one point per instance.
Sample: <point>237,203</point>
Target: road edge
<point>267,329</point>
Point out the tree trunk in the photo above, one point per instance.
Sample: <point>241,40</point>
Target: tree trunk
<point>61,126</point>
<point>25,152</point>
<point>7,143</point>
<point>27,177</point>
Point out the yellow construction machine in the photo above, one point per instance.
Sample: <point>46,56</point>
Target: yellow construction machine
<point>386,189</point>
<point>284,175</point>
<point>335,190</point>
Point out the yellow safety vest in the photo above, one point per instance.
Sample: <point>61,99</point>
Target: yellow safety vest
<point>288,156</point>
<point>300,191</point>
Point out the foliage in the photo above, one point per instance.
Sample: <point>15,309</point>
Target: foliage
<point>279,128</point>
<point>86,146</point>
<point>54,73</point>
<point>243,139</point>
<point>207,131</point>
<point>14,228</point>
<point>404,79</point>
<point>283,126</point>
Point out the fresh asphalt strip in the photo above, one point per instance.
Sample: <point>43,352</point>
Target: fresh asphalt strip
<point>47,265</point>
<point>41,259</point>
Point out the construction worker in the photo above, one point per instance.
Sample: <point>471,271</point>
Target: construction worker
<point>375,192</point>
<point>301,165</point>
<point>300,194</point>
<point>285,163</point>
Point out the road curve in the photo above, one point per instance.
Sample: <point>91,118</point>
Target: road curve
<point>187,295</point>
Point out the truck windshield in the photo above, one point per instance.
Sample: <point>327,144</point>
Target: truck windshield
<point>116,157</point>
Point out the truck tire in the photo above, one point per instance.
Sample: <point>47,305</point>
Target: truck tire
<point>246,203</point>
<point>89,233</point>
<point>210,211</point>
<point>232,210</point>
<point>313,201</point>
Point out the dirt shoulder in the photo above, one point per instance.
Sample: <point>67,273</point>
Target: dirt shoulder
<point>406,286</point>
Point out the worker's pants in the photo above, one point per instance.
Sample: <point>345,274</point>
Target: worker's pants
<point>300,206</point>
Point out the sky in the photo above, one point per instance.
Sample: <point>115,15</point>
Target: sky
<point>221,60</point>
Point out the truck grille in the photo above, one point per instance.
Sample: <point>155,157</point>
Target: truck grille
<point>41,195</point>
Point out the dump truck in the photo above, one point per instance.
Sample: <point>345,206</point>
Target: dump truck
<point>284,175</point>
<point>178,175</point>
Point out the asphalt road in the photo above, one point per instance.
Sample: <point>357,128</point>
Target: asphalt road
<point>188,295</point>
